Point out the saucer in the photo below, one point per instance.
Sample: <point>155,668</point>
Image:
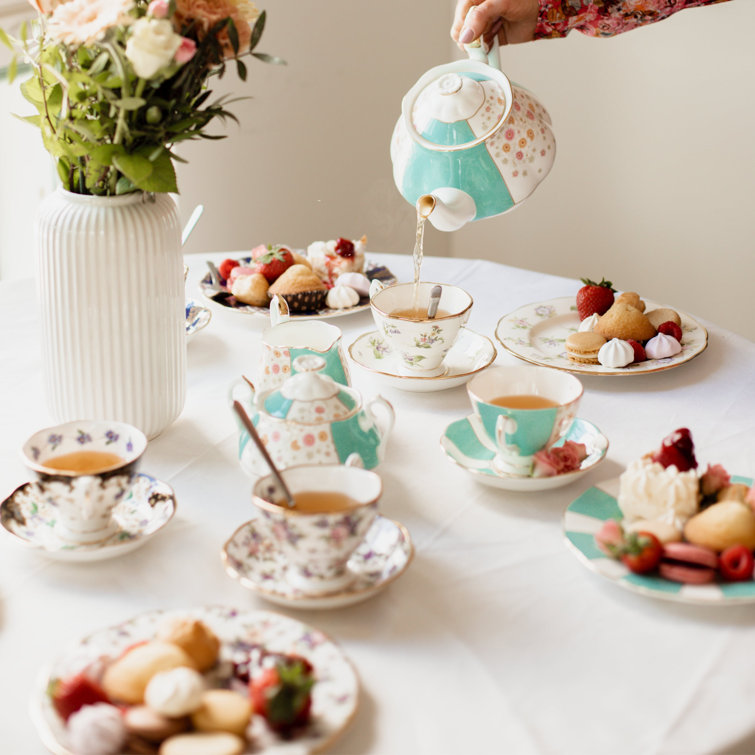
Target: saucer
<point>475,455</point>
<point>383,556</point>
<point>470,354</point>
<point>197,317</point>
<point>30,518</point>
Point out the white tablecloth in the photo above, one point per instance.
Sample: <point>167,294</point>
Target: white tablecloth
<point>495,639</point>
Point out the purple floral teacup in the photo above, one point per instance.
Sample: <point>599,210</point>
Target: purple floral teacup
<point>335,507</point>
<point>421,343</point>
<point>84,469</point>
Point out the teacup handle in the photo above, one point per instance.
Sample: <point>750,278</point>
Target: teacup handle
<point>279,311</point>
<point>376,287</point>
<point>504,425</point>
<point>85,487</point>
<point>354,460</point>
<point>383,415</point>
<point>233,395</point>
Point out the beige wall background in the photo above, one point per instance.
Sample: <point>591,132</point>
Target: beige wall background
<point>653,185</point>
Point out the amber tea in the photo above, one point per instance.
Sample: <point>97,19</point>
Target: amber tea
<point>417,313</point>
<point>322,501</point>
<point>84,462</point>
<point>524,401</point>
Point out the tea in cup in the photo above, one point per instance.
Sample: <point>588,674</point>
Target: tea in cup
<point>85,468</point>
<point>522,409</point>
<point>421,343</point>
<point>335,506</point>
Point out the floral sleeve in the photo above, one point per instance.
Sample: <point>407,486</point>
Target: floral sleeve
<point>604,18</point>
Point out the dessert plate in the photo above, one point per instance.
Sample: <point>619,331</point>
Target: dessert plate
<point>537,334</point>
<point>383,557</point>
<point>473,452</point>
<point>30,518</point>
<point>583,518</point>
<point>371,270</point>
<point>335,696</point>
<point>197,317</point>
<point>470,354</point>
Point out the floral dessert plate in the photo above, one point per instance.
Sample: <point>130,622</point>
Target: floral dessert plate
<point>228,301</point>
<point>335,695</point>
<point>470,354</point>
<point>382,558</point>
<point>466,445</point>
<point>537,334</point>
<point>584,517</point>
<point>197,317</point>
<point>30,518</point>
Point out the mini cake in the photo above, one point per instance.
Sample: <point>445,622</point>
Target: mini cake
<point>625,321</point>
<point>301,288</point>
<point>251,289</point>
<point>721,525</point>
<point>584,347</point>
<point>194,637</point>
<point>331,258</point>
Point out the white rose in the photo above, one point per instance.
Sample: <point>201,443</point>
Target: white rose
<point>151,46</point>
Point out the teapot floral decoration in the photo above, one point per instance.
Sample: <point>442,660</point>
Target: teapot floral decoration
<point>469,144</point>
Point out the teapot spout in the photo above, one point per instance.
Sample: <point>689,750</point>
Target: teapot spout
<point>447,208</point>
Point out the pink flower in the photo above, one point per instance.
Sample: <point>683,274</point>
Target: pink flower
<point>558,460</point>
<point>185,51</point>
<point>158,8</point>
<point>45,6</point>
<point>202,15</point>
<point>714,478</point>
<point>82,22</point>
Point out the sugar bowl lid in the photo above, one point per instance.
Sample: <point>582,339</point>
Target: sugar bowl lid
<point>457,105</point>
<point>309,396</point>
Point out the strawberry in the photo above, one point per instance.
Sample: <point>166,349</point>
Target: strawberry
<point>68,695</point>
<point>670,328</point>
<point>642,552</point>
<point>594,298</point>
<point>610,538</point>
<point>678,450</point>
<point>344,248</point>
<point>225,267</point>
<point>282,694</point>
<point>271,261</point>
<point>639,350</point>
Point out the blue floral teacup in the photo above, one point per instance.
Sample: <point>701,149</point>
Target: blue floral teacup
<point>84,469</point>
<point>400,314</point>
<point>335,507</point>
<point>519,410</point>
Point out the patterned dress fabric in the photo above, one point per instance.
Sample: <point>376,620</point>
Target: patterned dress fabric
<point>605,18</point>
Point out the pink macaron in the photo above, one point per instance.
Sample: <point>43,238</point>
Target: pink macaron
<point>687,563</point>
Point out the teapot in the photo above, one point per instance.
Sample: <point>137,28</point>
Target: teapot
<point>469,144</point>
<point>311,419</point>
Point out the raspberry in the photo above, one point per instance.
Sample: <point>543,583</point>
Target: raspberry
<point>670,328</point>
<point>344,248</point>
<point>639,350</point>
<point>678,450</point>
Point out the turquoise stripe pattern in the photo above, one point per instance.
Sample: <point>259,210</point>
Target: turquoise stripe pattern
<point>533,426</point>
<point>461,434</point>
<point>333,365</point>
<point>277,405</point>
<point>597,504</point>
<point>349,437</point>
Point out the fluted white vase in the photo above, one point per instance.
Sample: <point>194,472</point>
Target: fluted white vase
<point>111,294</point>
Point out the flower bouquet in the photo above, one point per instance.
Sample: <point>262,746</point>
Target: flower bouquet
<point>117,84</point>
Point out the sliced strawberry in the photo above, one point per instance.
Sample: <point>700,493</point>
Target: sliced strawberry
<point>68,695</point>
<point>594,298</point>
<point>670,328</point>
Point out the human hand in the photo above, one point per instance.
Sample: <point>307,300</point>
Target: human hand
<point>511,21</point>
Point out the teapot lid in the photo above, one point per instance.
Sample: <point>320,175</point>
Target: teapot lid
<point>310,397</point>
<point>457,105</point>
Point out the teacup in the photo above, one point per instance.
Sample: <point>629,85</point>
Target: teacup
<point>339,504</point>
<point>420,343</point>
<point>287,339</point>
<point>522,409</point>
<point>85,468</point>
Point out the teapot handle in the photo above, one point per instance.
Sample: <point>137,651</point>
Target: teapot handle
<point>478,50</point>
<point>279,311</point>
<point>383,418</point>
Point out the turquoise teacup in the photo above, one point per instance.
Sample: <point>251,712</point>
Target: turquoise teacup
<point>520,410</point>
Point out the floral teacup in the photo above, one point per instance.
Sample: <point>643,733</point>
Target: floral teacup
<point>316,544</point>
<point>421,343</point>
<point>85,468</point>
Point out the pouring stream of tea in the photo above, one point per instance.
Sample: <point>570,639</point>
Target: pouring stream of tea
<point>425,205</point>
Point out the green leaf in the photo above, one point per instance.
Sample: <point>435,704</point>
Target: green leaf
<point>163,176</point>
<point>241,69</point>
<point>5,39</point>
<point>265,58</point>
<point>135,167</point>
<point>259,26</point>
<point>129,103</point>
<point>35,120</point>
<point>13,69</point>
<point>124,186</point>
<point>233,35</point>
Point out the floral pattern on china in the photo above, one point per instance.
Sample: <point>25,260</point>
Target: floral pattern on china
<point>312,419</point>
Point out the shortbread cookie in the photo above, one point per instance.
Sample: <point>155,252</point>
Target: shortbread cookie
<point>222,710</point>
<point>661,315</point>
<point>203,743</point>
<point>632,298</point>
<point>624,321</point>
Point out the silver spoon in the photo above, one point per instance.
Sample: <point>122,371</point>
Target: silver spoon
<point>244,417</point>
<point>191,222</point>
<point>432,308</point>
<point>222,294</point>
